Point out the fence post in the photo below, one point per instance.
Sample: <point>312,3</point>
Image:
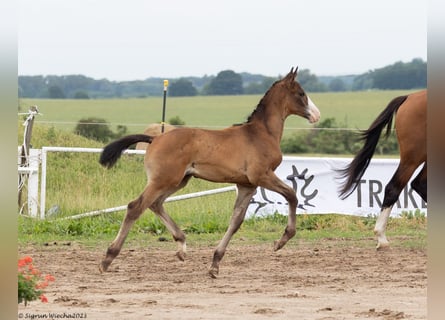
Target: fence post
<point>43,184</point>
<point>33,182</point>
<point>24,154</point>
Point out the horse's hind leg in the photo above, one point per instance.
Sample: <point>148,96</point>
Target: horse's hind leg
<point>134,209</point>
<point>244,194</point>
<point>419,184</point>
<point>392,192</point>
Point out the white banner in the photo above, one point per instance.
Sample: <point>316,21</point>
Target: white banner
<point>316,185</point>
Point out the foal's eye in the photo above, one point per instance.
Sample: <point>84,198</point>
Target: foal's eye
<point>302,94</point>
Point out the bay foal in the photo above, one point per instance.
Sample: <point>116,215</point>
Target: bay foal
<point>245,155</point>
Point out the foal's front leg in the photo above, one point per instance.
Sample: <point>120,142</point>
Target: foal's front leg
<point>158,208</point>
<point>177,233</point>
<point>273,183</point>
<point>291,228</point>
<point>242,202</point>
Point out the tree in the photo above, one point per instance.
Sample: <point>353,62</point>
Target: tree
<point>310,81</point>
<point>259,87</point>
<point>400,75</point>
<point>226,82</point>
<point>81,95</point>
<point>337,85</point>
<point>55,92</point>
<point>32,87</point>
<point>363,82</point>
<point>182,88</point>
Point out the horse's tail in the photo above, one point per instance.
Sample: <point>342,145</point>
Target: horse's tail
<point>355,170</point>
<point>113,151</point>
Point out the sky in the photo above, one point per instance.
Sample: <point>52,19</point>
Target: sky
<point>137,39</point>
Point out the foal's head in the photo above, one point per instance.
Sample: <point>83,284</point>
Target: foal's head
<point>295,100</point>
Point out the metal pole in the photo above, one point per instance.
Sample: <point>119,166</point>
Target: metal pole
<point>170,199</point>
<point>163,105</point>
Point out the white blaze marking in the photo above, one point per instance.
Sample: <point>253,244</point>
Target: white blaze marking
<point>313,111</point>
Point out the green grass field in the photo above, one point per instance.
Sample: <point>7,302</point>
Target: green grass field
<point>354,109</point>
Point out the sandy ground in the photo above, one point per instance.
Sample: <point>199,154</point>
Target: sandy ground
<point>333,279</point>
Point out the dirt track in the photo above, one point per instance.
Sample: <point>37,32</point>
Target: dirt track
<point>329,280</point>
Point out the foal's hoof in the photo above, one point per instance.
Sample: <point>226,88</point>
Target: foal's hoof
<point>277,245</point>
<point>180,255</point>
<point>103,267</point>
<point>213,272</point>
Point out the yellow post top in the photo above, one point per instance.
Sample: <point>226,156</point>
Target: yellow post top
<point>165,84</point>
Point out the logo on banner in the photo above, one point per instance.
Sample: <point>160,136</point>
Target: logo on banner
<point>370,194</point>
<point>298,180</point>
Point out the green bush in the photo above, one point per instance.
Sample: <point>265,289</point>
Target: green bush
<point>328,137</point>
<point>94,128</point>
<point>176,121</point>
<point>98,129</point>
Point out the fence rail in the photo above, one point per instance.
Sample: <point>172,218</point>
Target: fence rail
<point>41,155</point>
<point>313,179</point>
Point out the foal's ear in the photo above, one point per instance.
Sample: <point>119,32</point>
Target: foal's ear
<point>292,75</point>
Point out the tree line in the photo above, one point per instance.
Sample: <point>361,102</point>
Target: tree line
<point>399,75</point>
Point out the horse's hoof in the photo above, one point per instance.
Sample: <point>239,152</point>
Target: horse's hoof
<point>382,246</point>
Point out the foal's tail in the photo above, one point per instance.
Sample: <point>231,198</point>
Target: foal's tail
<point>113,151</point>
<point>355,170</point>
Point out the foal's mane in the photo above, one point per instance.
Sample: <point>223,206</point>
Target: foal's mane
<point>259,110</point>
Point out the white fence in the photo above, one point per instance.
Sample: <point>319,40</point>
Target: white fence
<point>29,175</point>
<point>313,179</point>
<point>40,156</point>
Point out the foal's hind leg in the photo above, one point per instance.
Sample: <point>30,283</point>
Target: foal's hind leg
<point>134,209</point>
<point>152,198</point>
<point>244,194</point>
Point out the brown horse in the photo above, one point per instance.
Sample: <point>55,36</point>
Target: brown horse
<point>410,124</point>
<point>245,154</point>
